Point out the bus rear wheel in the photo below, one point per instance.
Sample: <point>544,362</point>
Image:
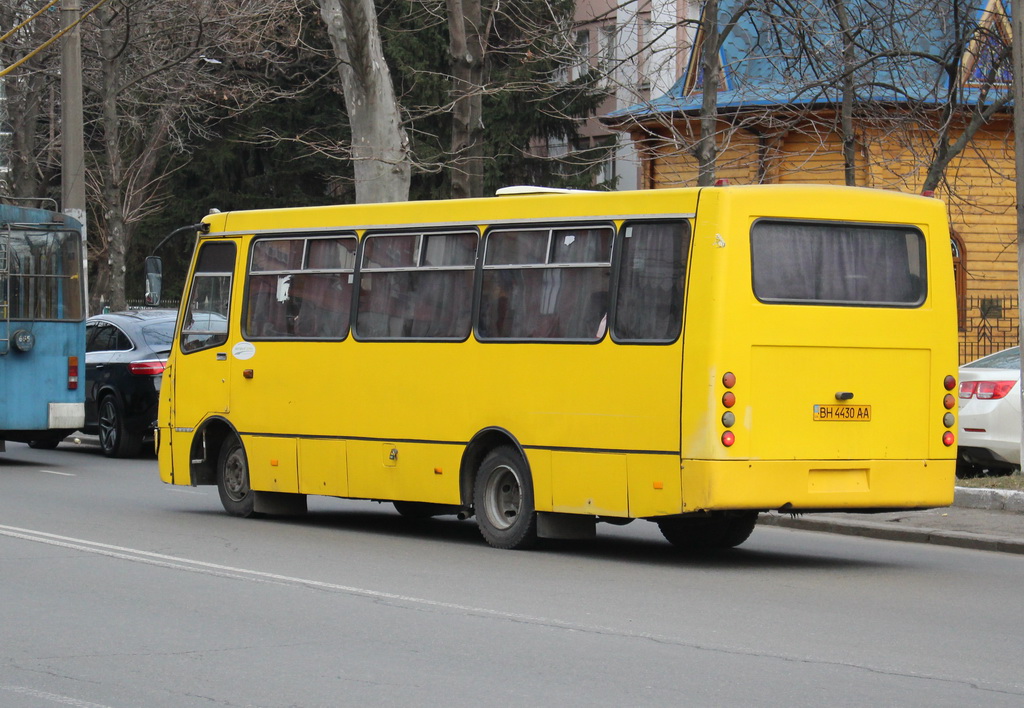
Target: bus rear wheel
<point>709,533</point>
<point>233,479</point>
<point>47,442</point>
<point>503,500</point>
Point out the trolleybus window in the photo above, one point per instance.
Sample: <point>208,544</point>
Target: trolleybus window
<point>548,283</point>
<point>300,288</point>
<point>820,262</point>
<point>39,274</point>
<point>416,286</point>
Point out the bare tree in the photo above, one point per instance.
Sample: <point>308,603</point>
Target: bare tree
<point>380,146</point>
<point>154,79</point>
<point>30,106</point>
<point>468,38</point>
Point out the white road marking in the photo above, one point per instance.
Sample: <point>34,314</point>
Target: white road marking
<point>62,474</point>
<point>226,571</point>
<point>52,697</point>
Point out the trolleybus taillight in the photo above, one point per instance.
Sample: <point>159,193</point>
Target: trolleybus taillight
<point>72,373</point>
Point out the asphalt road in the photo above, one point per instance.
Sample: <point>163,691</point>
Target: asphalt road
<point>118,591</point>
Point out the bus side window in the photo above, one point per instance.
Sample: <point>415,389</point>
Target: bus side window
<point>547,284</point>
<point>300,288</point>
<point>652,270</point>
<point>209,297</point>
<point>416,286</point>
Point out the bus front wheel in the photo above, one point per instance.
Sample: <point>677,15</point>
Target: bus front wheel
<point>503,500</point>
<point>709,533</point>
<point>233,479</point>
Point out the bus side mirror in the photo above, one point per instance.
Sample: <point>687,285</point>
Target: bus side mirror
<point>154,279</point>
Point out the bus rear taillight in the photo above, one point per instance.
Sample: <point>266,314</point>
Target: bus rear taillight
<point>148,367</point>
<point>72,373</point>
<point>948,438</point>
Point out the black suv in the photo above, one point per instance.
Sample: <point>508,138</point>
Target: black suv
<point>125,355</point>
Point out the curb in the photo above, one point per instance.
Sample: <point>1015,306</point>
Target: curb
<point>891,531</point>
<point>996,499</point>
<point>999,500</point>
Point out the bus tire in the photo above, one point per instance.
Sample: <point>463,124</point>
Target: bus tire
<point>503,500</point>
<point>233,479</point>
<point>49,442</point>
<point>709,533</point>
<point>115,439</point>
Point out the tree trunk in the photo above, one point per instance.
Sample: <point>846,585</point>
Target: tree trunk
<point>849,87</point>
<point>706,150</point>
<point>111,172</point>
<point>380,146</point>
<point>467,51</point>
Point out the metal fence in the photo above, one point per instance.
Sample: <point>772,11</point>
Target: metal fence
<point>990,324</point>
<point>140,304</point>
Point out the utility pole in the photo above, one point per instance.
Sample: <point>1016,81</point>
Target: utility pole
<point>1017,24</point>
<point>72,132</point>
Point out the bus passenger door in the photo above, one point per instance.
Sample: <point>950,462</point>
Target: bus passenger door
<point>201,373</point>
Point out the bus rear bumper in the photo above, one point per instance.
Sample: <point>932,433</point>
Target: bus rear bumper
<point>817,485</point>
<point>66,416</point>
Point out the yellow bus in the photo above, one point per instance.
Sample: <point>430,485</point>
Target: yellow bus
<point>545,361</point>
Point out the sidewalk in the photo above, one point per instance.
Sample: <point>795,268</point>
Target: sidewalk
<point>982,519</point>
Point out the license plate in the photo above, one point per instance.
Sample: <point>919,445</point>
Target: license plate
<point>842,412</point>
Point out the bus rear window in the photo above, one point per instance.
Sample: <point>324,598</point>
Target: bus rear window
<point>835,263</point>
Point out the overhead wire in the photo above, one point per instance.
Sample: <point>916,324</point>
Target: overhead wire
<point>51,40</point>
<point>45,7</point>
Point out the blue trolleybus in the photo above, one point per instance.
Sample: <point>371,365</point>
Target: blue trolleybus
<point>42,326</point>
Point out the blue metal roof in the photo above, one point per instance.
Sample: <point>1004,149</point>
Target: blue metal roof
<point>900,59</point>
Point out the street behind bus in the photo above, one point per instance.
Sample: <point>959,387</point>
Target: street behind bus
<point>121,591</point>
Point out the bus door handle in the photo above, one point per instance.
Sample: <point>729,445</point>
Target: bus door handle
<point>222,356</point>
<point>844,395</point>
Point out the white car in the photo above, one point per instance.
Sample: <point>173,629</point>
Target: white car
<point>990,415</point>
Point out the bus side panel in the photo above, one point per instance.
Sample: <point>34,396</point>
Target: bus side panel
<point>410,471</point>
<point>654,485</point>
<point>272,463</point>
<point>589,483</point>
<point>323,467</point>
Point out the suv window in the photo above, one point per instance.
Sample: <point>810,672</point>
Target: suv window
<point>105,337</point>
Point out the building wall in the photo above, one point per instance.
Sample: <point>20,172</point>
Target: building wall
<point>979,191</point>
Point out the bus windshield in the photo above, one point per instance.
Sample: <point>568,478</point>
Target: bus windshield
<point>40,274</point>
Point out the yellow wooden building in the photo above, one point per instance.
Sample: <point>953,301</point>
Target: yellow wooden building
<point>765,136</point>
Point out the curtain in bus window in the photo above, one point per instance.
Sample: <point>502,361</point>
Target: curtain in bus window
<point>649,302</point>
<point>431,299</point>
<point>300,288</point>
<point>558,291</point>
<point>818,262</point>
<point>324,301</point>
<point>277,254</point>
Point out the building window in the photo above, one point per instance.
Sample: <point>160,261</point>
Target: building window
<point>959,278</point>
